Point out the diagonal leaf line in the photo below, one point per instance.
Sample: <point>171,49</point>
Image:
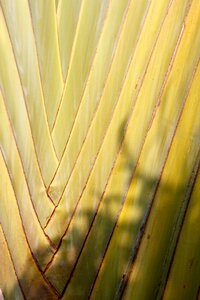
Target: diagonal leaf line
<point>87,77</point>
<point>112,170</point>
<point>24,232</point>
<point>76,29</point>
<point>24,99</point>
<point>167,75</point>
<point>22,166</point>
<point>45,279</point>
<point>73,168</point>
<point>11,258</point>
<point>115,104</point>
<point>134,246</point>
<point>41,84</point>
<point>124,79</point>
<point>69,66</point>
<point>171,251</point>
<point>30,198</point>
<point>108,126</point>
<point>83,94</point>
<point>152,120</point>
<point>84,88</point>
<point>140,231</point>
<point>147,214</point>
<point>19,211</point>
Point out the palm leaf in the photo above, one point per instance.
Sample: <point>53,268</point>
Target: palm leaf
<point>99,149</point>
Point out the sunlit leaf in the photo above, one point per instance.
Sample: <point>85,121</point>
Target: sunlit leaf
<point>99,149</point>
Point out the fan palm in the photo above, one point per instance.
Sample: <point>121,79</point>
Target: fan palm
<point>99,149</point>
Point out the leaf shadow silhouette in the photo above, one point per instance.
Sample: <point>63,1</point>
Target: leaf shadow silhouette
<point>77,268</point>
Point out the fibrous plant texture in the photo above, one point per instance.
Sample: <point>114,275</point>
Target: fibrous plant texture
<point>99,149</point>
